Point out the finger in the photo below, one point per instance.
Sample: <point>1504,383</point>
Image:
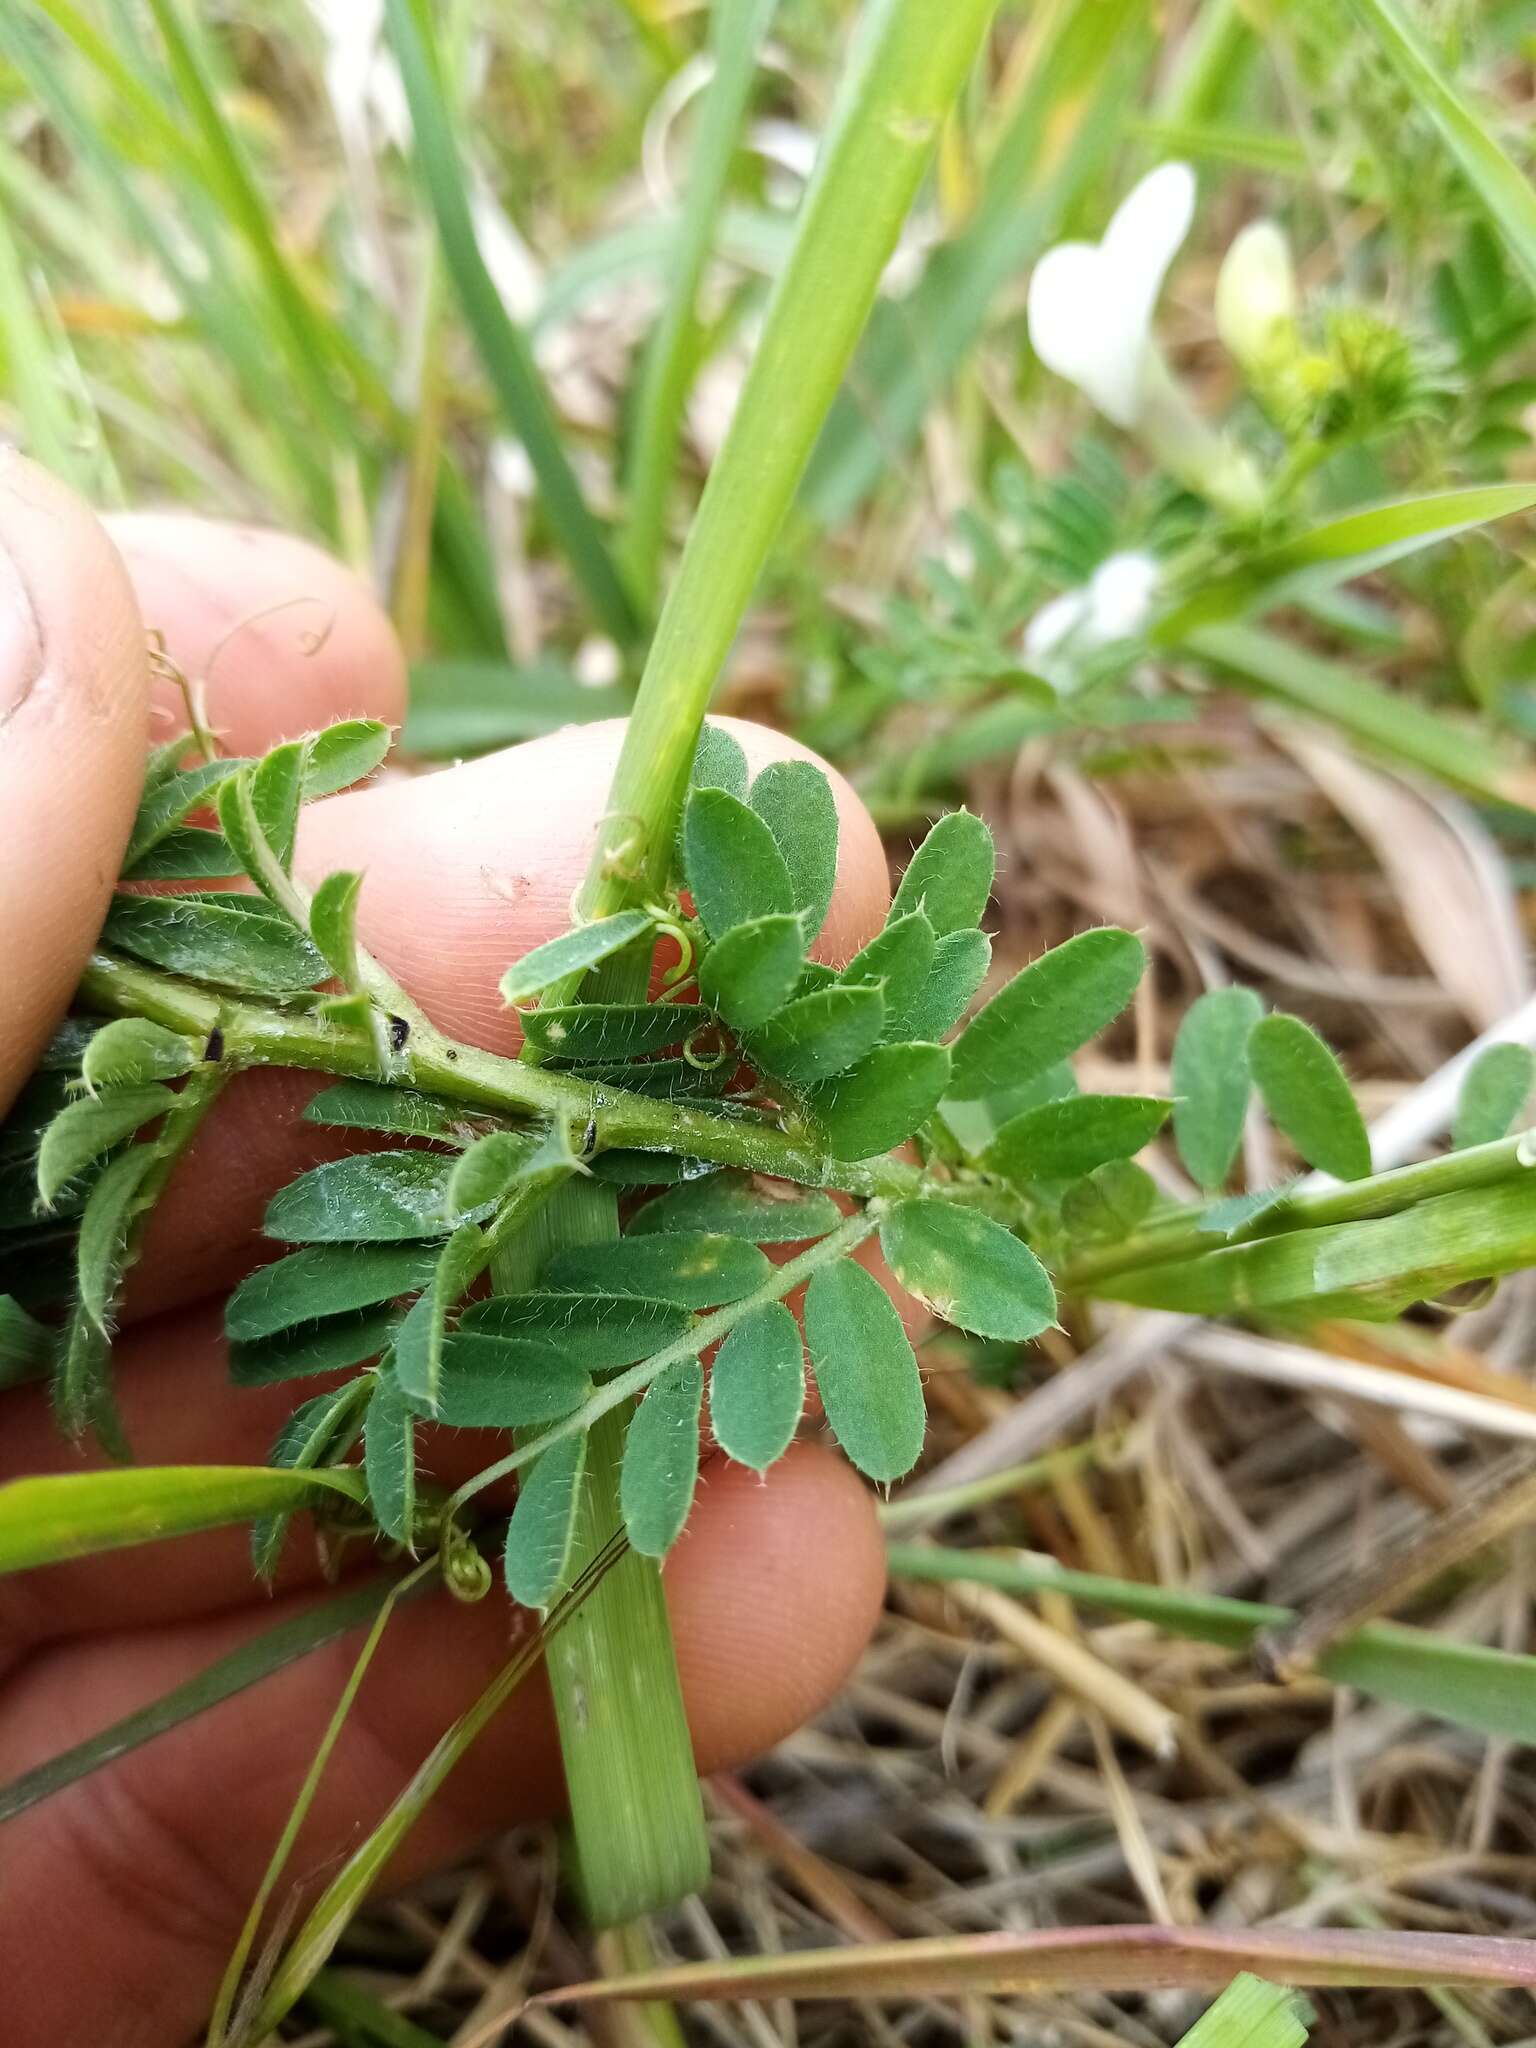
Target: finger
<point>159,1854</point>
<point>73,708</point>
<point>278,637</point>
<point>462,872</point>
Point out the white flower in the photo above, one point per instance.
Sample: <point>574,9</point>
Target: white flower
<point>1255,292</point>
<point>1091,303</point>
<point>1114,604</point>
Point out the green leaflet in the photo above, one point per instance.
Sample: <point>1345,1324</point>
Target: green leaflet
<point>865,1371</point>
<point>372,1198</point>
<point>899,959</point>
<point>317,1432</point>
<point>732,863</point>
<point>342,1340</point>
<point>1306,1094</point>
<point>324,1281</point>
<point>661,1459</point>
<point>82,1384</point>
<point>542,1528</point>
<point>960,963</point>
<point>342,755</point>
<point>1064,1140</point>
<point>83,1131</point>
<point>690,1269</point>
<point>418,1351</point>
<point>969,1270</point>
<point>819,1035</point>
<point>1056,1005</point>
<point>1211,1081</point>
<point>879,1103</point>
<point>611,1031</point>
<point>679,1080</point>
<point>1251,2013</point>
<point>627,1167</point>
<point>389,1459</point>
<point>572,953</point>
<point>1492,1094</point>
<point>752,970</point>
<point>596,1332</point>
<point>192,853</point>
<point>333,925</point>
<point>238,942</point>
<point>52,1519</point>
<point>505,1382</point>
<point>485,1174</point>
<point>259,815</point>
<point>131,1051</point>
<point>368,1106</point>
<point>737,1206</point>
<point>1110,1202</point>
<point>719,763</point>
<point>105,1224</point>
<point>26,1345</point>
<point>167,804</point>
<point>795,801</point>
<point>757,1387</point>
<point>949,878</point>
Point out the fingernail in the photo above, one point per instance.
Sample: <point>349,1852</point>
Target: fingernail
<point>21,640</point>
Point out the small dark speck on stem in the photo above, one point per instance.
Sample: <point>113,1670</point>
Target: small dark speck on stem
<point>214,1049</point>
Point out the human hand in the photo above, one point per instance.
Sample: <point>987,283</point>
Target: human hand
<point>120,1897</point>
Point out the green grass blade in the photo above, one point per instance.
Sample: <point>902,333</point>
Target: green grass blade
<point>1387,723</point>
<point>1252,2014</point>
<point>1465,1683</point>
<point>737,30</point>
<point>1499,183</point>
<point>29,369</point>
<point>248,1665</point>
<point>504,352</point>
<point>50,1520</point>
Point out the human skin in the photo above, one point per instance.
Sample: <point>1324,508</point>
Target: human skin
<point>120,1897</point>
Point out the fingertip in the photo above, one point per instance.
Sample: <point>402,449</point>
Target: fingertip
<point>73,711</point>
<point>280,636</point>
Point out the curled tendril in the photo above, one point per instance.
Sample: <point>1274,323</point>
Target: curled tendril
<point>670,926</point>
<point>694,1059</point>
<point>466,1573</point>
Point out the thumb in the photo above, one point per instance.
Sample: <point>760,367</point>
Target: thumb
<point>74,710</point>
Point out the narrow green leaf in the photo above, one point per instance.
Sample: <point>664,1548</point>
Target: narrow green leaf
<point>882,1100</point>
<point>26,1345</point>
<point>374,1197</point>
<point>757,1387</point>
<point>53,1519</point>
<point>689,1268</point>
<point>819,1035</point>
<point>105,1225</point>
<point>1056,1005</point>
<point>542,1529</point>
<point>739,1206</point>
<point>1252,2014</point>
<point>899,959</point>
<point>732,863</point>
<point>795,801</point>
<point>1493,1094</point>
<point>84,1130</point>
<point>1307,1095</point>
<point>342,755</point>
<point>949,878</point>
<point>318,1432</point>
<point>1064,1140</point>
<point>326,1346</point>
<point>238,942</point>
<point>168,803</point>
<point>369,1106</point>
<point>505,1382</point>
<point>418,1350</point>
<point>191,853</point>
<point>389,1459</point>
<point>661,1459</point>
<point>1211,1081</point>
<point>463,705</point>
<point>611,1031</point>
<point>719,763</point>
<point>83,1399</point>
<point>131,1051</point>
<point>960,963</point>
<point>572,953</point>
<point>968,1270</point>
<point>866,1373</point>
<point>1109,1202</point>
<point>596,1332</point>
<point>752,970</point>
<point>627,1167</point>
<point>333,925</point>
<point>327,1280</point>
